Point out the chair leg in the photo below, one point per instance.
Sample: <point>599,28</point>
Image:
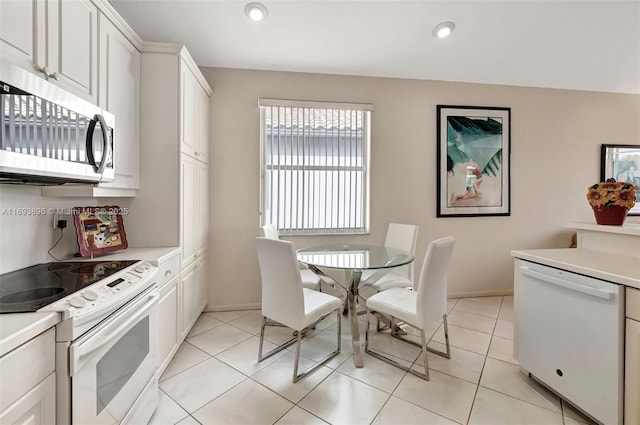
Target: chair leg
<point>298,340</point>
<point>261,357</point>
<point>445,354</point>
<point>425,359</point>
<point>366,330</point>
<point>386,359</point>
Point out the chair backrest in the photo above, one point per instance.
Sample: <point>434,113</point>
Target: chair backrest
<point>270,231</point>
<point>404,237</point>
<point>432,287</point>
<point>282,293</point>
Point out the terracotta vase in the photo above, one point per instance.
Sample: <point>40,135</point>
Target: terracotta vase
<point>613,215</point>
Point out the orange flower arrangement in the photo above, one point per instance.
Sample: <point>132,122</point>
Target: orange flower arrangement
<point>609,193</point>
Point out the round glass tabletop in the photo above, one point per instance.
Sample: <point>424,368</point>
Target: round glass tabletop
<point>354,257</point>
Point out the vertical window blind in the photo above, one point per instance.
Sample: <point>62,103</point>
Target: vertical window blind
<point>315,162</point>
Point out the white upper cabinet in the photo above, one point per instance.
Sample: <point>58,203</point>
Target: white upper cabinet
<point>188,213</point>
<point>194,119</point>
<point>202,208</point>
<point>56,39</point>
<point>119,93</point>
<point>194,209</point>
<point>18,32</point>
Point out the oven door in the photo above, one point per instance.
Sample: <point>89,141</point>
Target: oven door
<point>111,365</point>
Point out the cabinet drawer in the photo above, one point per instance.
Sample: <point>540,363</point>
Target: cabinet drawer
<point>633,303</point>
<point>169,269</point>
<point>26,366</point>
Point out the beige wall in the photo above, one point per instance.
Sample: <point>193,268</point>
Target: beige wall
<point>25,238</point>
<point>555,155</point>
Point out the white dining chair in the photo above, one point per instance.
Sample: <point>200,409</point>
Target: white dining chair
<point>399,236</point>
<point>309,279</point>
<point>417,308</point>
<point>286,302</point>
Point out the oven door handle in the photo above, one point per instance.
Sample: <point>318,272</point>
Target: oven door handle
<point>98,340</point>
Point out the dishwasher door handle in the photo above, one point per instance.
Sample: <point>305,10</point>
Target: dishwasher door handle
<point>573,286</point>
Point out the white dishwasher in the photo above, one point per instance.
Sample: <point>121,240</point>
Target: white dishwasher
<point>571,337</point>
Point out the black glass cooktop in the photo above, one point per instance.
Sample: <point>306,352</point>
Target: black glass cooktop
<point>30,289</point>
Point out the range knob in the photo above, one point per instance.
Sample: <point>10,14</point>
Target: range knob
<point>90,295</point>
<point>77,302</point>
<point>142,267</point>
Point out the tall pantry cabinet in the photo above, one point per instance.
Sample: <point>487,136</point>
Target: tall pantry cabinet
<point>172,205</point>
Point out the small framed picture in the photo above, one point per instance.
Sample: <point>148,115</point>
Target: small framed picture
<point>99,229</point>
<point>474,149</point>
<point>622,162</point>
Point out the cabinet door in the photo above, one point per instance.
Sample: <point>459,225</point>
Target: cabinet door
<point>119,93</point>
<point>72,46</point>
<point>56,36</point>
<point>188,297</point>
<point>188,128</point>
<point>168,323</point>
<point>202,147</point>
<point>187,209</point>
<point>202,208</point>
<point>202,286</point>
<point>18,32</point>
<point>632,373</point>
<point>37,407</point>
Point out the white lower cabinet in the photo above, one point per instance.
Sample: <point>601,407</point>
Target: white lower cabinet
<point>193,294</point>
<point>632,359</point>
<point>632,374</point>
<point>37,407</point>
<point>27,382</point>
<point>168,323</point>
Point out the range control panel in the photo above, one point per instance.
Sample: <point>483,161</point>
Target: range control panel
<point>104,293</point>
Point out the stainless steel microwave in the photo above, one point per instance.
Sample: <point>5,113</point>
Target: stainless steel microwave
<point>50,136</point>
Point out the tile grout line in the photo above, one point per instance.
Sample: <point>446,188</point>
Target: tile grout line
<point>483,365</point>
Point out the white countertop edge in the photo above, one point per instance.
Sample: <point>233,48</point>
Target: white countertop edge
<point>18,328</point>
<point>632,229</point>
<point>612,268</point>
<point>157,255</point>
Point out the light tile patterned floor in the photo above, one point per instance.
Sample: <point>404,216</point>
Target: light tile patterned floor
<point>215,377</point>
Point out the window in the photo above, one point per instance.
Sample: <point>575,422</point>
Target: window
<point>315,162</point>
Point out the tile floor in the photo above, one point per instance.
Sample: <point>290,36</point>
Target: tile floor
<point>215,377</point>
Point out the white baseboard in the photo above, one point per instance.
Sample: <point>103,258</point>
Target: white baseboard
<point>233,307</point>
<point>473,294</point>
<point>258,306</point>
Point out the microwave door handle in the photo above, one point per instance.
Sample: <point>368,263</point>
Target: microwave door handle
<point>89,143</point>
<point>105,144</point>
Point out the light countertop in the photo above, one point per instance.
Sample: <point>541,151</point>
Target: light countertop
<point>18,328</point>
<point>631,229</point>
<point>613,268</point>
<point>156,254</point>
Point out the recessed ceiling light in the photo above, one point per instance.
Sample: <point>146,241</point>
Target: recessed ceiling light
<point>256,11</point>
<point>443,29</point>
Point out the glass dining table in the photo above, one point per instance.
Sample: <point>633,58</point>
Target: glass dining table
<point>355,259</point>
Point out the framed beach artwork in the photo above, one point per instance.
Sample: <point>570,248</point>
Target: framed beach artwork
<point>474,147</point>
<point>99,229</point>
<point>622,162</point>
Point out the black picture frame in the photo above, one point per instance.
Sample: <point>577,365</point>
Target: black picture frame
<point>473,161</point>
<point>622,162</point>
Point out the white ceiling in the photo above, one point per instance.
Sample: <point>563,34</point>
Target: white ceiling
<point>584,45</point>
